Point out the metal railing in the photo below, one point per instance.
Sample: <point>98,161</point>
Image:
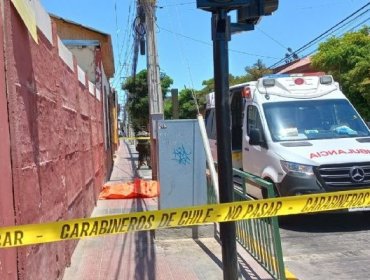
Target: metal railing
<point>259,237</point>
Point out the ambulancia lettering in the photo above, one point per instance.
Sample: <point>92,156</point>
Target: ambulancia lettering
<point>339,152</point>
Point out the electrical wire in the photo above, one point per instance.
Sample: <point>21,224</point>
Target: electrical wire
<point>211,45</point>
<point>350,30</point>
<point>119,49</point>
<point>188,65</point>
<point>321,36</point>
<point>361,23</point>
<point>335,30</point>
<point>341,34</point>
<point>117,31</point>
<point>124,56</point>
<point>178,4</point>
<point>269,36</point>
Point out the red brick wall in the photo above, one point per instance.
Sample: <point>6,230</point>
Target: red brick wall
<point>98,143</point>
<point>57,148</point>
<point>8,267</point>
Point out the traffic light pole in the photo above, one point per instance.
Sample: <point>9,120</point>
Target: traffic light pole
<point>248,13</point>
<point>221,35</point>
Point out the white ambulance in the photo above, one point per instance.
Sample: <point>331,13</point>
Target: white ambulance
<point>297,131</point>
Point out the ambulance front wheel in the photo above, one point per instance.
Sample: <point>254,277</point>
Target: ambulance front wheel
<point>264,190</point>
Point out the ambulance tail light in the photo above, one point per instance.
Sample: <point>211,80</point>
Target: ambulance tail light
<point>268,82</point>
<point>326,80</point>
<point>247,93</point>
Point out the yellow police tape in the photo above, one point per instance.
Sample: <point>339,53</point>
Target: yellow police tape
<point>196,215</point>
<point>135,138</point>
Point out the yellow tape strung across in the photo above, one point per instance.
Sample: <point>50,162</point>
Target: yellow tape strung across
<point>135,138</point>
<point>196,215</point>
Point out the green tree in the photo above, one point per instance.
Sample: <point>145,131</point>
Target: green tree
<point>235,80</point>
<point>252,74</point>
<point>187,106</point>
<point>257,71</point>
<point>137,104</point>
<point>348,59</point>
<point>209,85</point>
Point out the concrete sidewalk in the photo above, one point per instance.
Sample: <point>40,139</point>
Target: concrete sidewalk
<point>141,256</point>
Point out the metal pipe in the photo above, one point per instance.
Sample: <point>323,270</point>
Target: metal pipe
<point>221,36</point>
<point>211,165</point>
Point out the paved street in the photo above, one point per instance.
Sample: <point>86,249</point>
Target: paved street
<point>327,246</point>
<point>106,109</point>
<point>161,254</point>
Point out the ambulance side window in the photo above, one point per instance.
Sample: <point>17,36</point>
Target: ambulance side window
<point>253,119</point>
<point>236,108</point>
<point>211,123</point>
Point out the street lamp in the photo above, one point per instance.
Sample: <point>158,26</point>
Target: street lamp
<point>248,14</point>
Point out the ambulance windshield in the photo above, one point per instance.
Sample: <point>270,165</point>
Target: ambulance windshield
<point>313,119</point>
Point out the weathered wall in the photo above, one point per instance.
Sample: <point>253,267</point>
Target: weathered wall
<point>8,264</point>
<point>57,154</point>
<point>67,30</point>
<point>86,59</point>
<point>106,125</point>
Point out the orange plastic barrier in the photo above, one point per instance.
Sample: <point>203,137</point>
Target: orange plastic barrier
<point>137,189</point>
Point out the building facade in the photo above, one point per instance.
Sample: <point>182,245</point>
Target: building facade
<point>56,150</point>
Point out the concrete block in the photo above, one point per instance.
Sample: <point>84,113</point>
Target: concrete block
<point>73,176</point>
<point>71,133</point>
<point>87,165</point>
<point>28,195</point>
<point>98,94</point>
<point>85,134</point>
<point>53,190</point>
<point>43,20</point>
<point>50,132</point>
<point>90,198</point>
<point>81,75</point>
<point>46,259</point>
<point>91,88</point>
<point>65,54</point>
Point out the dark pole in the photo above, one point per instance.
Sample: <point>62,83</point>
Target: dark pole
<point>175,103</point>
<point>221,36</point>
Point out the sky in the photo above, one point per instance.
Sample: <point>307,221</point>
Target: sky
<point>184,34</point>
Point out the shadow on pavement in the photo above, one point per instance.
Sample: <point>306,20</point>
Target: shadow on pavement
<point>245,269</point>
<point>145,250</point>
<point>145,259</point>
<point>133,159</point>
<point>327,222</point>
<point>209,252</point>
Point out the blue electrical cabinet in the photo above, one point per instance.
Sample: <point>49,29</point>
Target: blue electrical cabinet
<point>182,164</point>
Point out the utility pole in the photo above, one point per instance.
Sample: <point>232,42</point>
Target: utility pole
<point>154,82</point>
<point>175,103</point>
